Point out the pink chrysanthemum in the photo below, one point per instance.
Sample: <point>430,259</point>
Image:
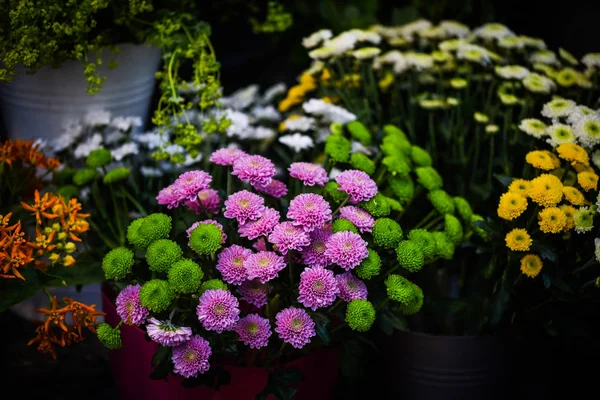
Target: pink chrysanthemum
<point>260,244</point>
<point>253,292</point>
<point>318,288</point>
<point>313,255</point>
<point>309,211</point>
<point>262,226</point>
<point>295,326</point>
<point>359,217</point>
<point>191,358</point>
<point>275,188</point>
<point>209,200</point>
<point>230,264</point>
<point>254,331</point>
<point>256,169</point>
<point>244,206</point>
<point>288,237</point>
<point>226,156</point>
<point>218,310</point>
<point>189,230</point>
<point>169,197</point>
<point>264,265</point>
<point>350,287</point>
<point>357,184</point>
<point>129,307</point>
<point>346,249</point>
<point>167,334</point>
<point>310,174</point>
<point>190,183</point>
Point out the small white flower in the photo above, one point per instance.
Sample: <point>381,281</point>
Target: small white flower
<point>262,132</point>
<point>240,122</point>
<point>316,38</point>
<point>414,27</point>
<point>71,131</point>
<point>596,159</point>
<point>125,123</point>
<point>301,124</point>
<point>544,57</point>
<point>97,117</point>
<point>454,28</point>
<point>334,173</point>
<point>587,130</point>
<point>537,83</point>
<point>559,134</point>
<point>114,137</point>
<point>322,134</point>
<point>358,147</point>
<point>189,160</point>
<point>173,149</point>
<point>242,98</point>
<point>512,72</point>
<point>597,249</point>
<point>578,113</point>
<point>591,60</point>
<point>126,149</point>
<point>511,42</point>
<point>419,61</point>
<point>84,194</point>
<point>297,141</point>
<point>473,53</point>
<point>274,91</point>
<point>91,144</point>
<point>316,66</point>
<point>268,113</point>
<point>152,140</point>
<point>393,57</point>
<point>329,112</point>
<point>533,127</point>
<point>150,172</point>
<point>533,42</point>
<point>366,53</point>
<point>493,31</point>
<point>558,108</point>
<point>41,143</point>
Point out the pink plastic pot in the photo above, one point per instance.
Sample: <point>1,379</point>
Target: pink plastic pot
<point>132,367</point>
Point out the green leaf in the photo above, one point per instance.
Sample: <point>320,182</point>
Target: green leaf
<point>547,281</point>
<point>545,251</point>
<point>162,369</point>
<point>350,358</point>
<point>278,384</point>
<point>388,322</point>
<point>503,179</point>
<point>214,378</point>
<point>499,304</point>
<point>15,291</point>
<point>321,323</point>
<point>161,355</point>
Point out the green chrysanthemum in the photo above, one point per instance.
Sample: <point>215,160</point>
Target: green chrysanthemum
<point>387,233</point>
<point>362,162</point>
<point>420,156</point>
<point>185,276</point>
<point>359,132</point>
<point>414,304</point>
<point>377,206</point>
<point>155,226</point>
<point>162,254</point>
<point>342,224</point>
<point>109,336</point>
<point>64,176</point>
<point>403,187</point>
<point>133,235</point>
<point>394,131</point>
<point>156,295</point>
<point>337,148</point>
<point>445,248</point>
<point>441,201</point>
<point>399,288</point>
<point>370,266</point>
<point>211,285</point>
<point>477,229</point>
<point>98,158</point>
<point>68,192</point>
<point>117,263</point>
<point>396,165</point>
<point>409,255</point>
<point>425,240</point>
<point>463,208</point>
<point>394,146</point>
<point>453,228</point>
<point>394,204</point>
<point>84,176</point>
<point>116,175</point>
<point>429,178</point>
<point>360,315</point>
<point>332,190</point>
<point>206,239</point>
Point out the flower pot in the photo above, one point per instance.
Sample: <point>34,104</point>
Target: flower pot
<point>132,367</point>
<point>448,367</point>
<point>39,105</point>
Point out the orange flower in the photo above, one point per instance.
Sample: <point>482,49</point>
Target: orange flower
<point>46,339</point>
<point>40,206</point>
<point>54,315</point>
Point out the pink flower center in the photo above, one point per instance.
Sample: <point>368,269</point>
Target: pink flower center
<point>238,261</point>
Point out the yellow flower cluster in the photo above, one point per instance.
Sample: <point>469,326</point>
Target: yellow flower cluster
<point>557,192</point>
<point>297,93</point>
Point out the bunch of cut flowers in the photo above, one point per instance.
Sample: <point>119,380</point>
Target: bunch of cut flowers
<point>285,258</point>
<point>546,242</point>
<point>40,236</point>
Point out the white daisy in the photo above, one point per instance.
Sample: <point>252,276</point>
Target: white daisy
<point>512,72</point>
<point>125,123</point>
<point>596,159</point>
<point>329,112</point>
<point>587,130</point>
<point>493,31</point>
<point>578,112</point>
<point>97,117</point>
<point>316,38</point>
<point>297,141</point>
<point>454,28</point>
<point>85,148</point>
<point>419,61</point>
<point>558,108</point>
<point>71,131</point>
<point>559,134</point>
<point>268,113</point>
<point>591,60</point>
<point>241,98</point>
<point>123,151</point>
<point>544,57</point>
<point>273,91</point>
<point>537,83</point>
<point>533,127</point>
<point>150,172</point>
<point>301,124</point>
<point>366,53</point>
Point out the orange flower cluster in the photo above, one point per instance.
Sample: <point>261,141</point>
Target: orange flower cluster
<point>82,315</point>
<point>58,226</point>
<point>26,152</point>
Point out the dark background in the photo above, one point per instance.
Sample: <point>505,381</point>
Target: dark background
<point>247,58</point>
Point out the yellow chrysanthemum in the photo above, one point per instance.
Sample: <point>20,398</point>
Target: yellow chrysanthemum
<point>518,240</point>
<point>325,75</point>
<point>552,220</point>
<point>582,167</point>
<point>573,195</point>
<point>541,159</point>
<point>546,190</point>
<point>531,265</point>
<point>573,153</point>
<point>569,212</point>
<point>511,205</point>
<point>588,180</point>
<point>308,82</point>
<point>520,186</point>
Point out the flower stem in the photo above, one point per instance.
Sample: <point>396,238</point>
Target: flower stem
<point>342,204</point>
